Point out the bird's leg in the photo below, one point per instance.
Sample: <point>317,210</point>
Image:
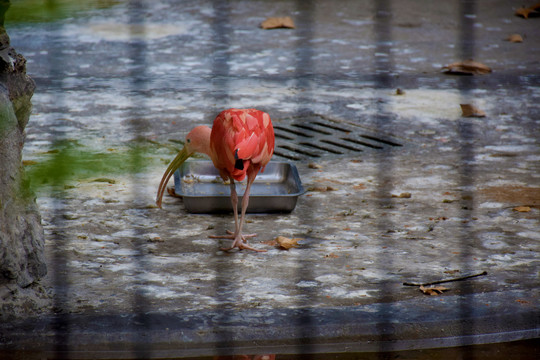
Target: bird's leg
<point>239,240</point>
<point>245,199</point>
<point>245,203</point>
<point>234,201</point>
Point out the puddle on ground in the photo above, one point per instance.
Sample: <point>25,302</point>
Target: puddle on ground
<point>431,106</point>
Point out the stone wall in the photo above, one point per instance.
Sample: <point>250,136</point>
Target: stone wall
<point>22,261</point>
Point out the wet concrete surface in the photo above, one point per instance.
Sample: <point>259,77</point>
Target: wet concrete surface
<point>127,278</point>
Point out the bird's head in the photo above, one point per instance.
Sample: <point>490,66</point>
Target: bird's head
<point>198,140</point>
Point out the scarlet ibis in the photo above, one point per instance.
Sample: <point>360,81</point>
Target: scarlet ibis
<point>240,143</point>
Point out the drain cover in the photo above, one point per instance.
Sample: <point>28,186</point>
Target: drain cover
<point>315,136</point>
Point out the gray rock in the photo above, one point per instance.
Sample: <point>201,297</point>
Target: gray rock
<point>22,261</point>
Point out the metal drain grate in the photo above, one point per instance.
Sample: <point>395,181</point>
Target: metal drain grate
<point>316,137</point>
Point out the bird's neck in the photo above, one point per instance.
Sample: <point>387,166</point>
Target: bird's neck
<point>201,143</point>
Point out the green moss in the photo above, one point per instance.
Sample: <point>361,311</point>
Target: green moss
<point>68,161</point>
<point>31,11</point>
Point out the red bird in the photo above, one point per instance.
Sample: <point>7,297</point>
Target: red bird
<point>240,143</point>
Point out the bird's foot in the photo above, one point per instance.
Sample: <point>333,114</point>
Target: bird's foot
<point>240,241</point>
<point>241,246</point>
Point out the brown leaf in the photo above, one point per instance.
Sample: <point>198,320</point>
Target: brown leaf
<point>314,166</point>
<point>469,110</point>
<point>154,239</point>
<point>321,188</point>
<point>528,12</point>
<point>523,12</point>
<point>435,290</point>
<point>515,38</point>
<point>405,195</point>
<point>522,209</point>
<point>287,243</point>
<point>278,22</point>
<point>467,67</point>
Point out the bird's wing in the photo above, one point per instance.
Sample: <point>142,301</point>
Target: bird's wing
<point>244,135</point>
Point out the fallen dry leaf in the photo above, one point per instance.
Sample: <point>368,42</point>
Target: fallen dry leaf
<point>287,243</point>
<point>321,188</point>
<point>405,195</point>
<point>154,239</point>
<point>523,12</point>
<point>314,166</point>
<point>468,110</point>
<point>467,67</point>
<point>528,12</point>
<point>522,209</point>
<point>278,22</point>
<point>435,290</point>
<point>515,38</point>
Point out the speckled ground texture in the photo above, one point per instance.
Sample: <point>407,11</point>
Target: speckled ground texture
<point>127,278</point>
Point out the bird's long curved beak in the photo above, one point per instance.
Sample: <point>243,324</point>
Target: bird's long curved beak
<point>182,156</point>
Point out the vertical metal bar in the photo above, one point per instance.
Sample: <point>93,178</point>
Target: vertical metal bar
<point>61,323</point>
<point>305,322</point>
<point>62,320</point>
<point>466,136</point>
<point>383,81</point>
<point>138,82</point>
<point>221,41</point>
<point>225,286</point>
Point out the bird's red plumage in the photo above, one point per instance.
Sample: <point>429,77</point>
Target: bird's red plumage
<point>245,134</point>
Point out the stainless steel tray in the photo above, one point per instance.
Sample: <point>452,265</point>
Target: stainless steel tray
<point>203,191</point>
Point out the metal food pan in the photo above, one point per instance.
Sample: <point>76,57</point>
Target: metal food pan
<point>203,191</point>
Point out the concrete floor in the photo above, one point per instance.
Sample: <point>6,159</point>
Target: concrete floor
<point>127,279</point>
